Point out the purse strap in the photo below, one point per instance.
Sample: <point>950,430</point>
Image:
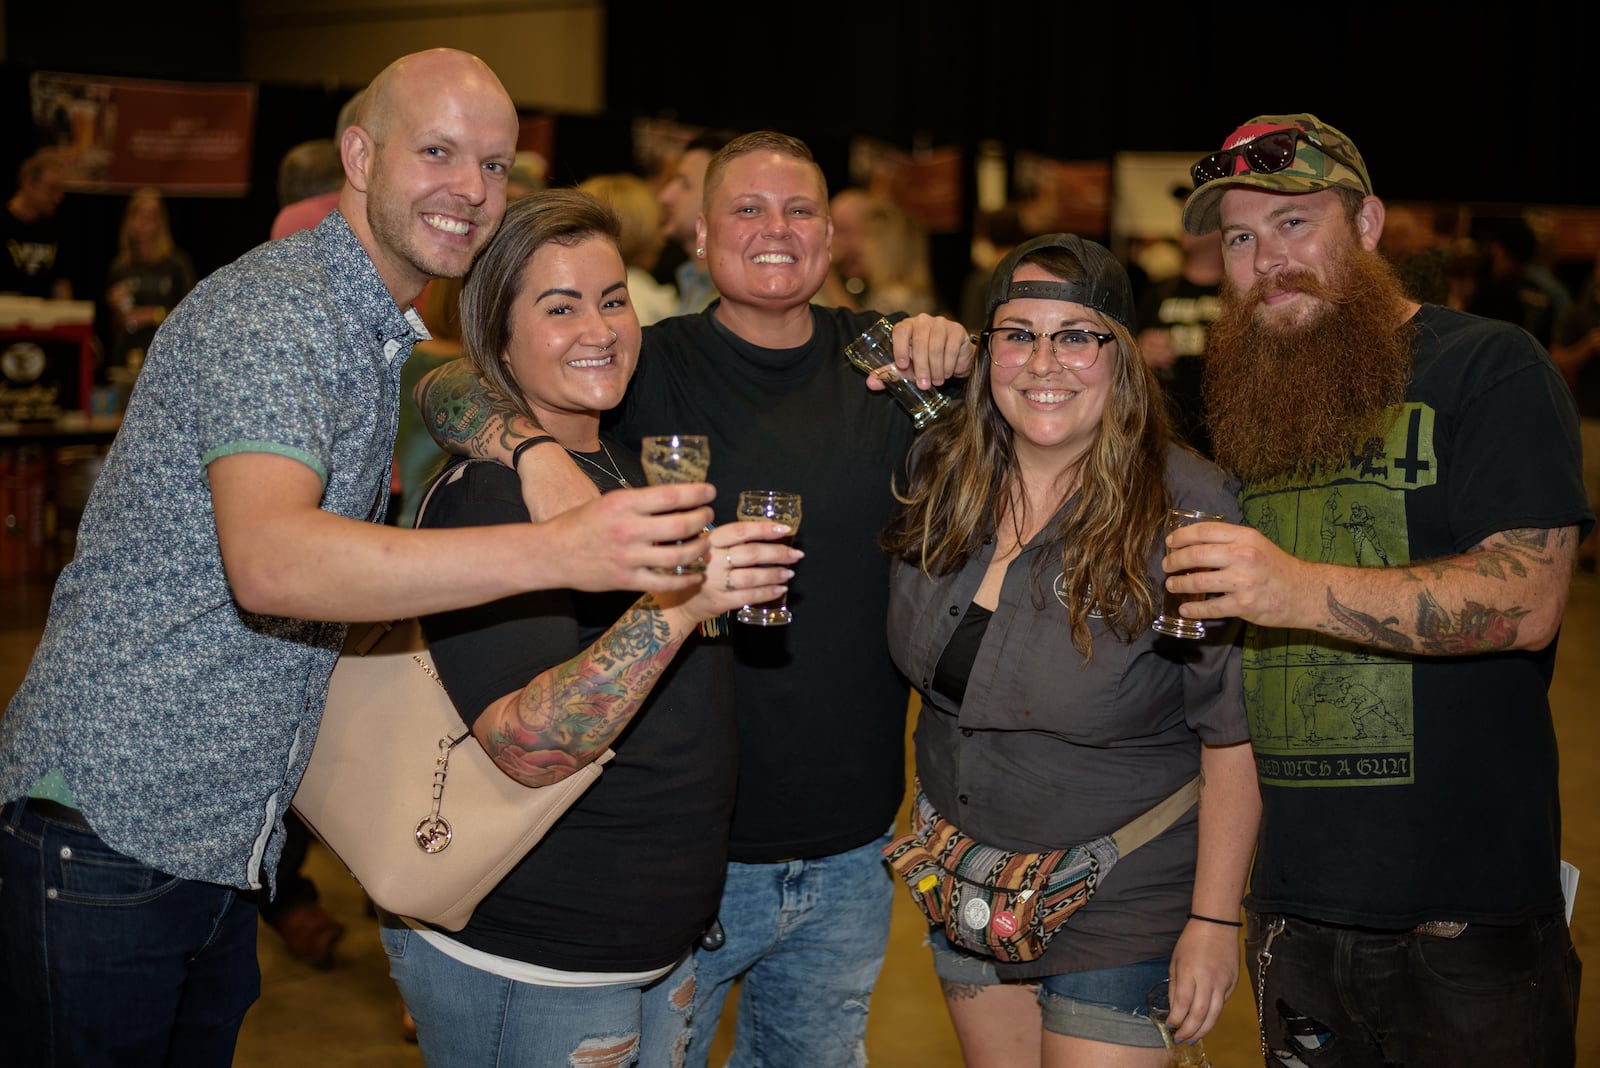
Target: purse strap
<point>449,474</point>
<point>363,642</point>
<point>1141,829</point>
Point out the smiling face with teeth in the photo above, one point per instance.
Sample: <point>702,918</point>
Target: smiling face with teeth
<point>766,233</point>
<point>427,165</point>
<point>1055,413</point>
<point>574,337</point>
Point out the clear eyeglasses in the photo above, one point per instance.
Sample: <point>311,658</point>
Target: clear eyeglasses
<point>1012,346</point>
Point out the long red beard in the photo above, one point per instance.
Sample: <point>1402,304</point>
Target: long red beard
<point>1293,398</point>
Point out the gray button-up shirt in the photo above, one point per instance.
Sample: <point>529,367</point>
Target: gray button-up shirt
<point>1050,750</point>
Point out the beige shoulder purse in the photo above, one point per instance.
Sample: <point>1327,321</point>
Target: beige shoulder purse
<point>403,794</point>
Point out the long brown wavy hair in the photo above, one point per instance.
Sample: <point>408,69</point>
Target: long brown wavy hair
<point>964,470</point>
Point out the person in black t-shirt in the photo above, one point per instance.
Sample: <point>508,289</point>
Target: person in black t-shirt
<point>1413,502</point>
<point>32,264</point>
<point>590,934</point>
<point>806,906</point>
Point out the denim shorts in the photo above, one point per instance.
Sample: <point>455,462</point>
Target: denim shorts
<point>1106,1005</point>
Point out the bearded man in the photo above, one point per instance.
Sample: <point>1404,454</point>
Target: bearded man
<point>1380,931</point>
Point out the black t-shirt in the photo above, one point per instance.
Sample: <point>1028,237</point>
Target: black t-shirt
<point>821,707</point>
<point>31,260</point>
<point>1186,311</point>
<point>1402,789</point>
<point>161,284</point>
<point>631,875</point>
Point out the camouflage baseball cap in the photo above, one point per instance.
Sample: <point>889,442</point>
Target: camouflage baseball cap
<point>1318,157</point>
<point>1104,287</point>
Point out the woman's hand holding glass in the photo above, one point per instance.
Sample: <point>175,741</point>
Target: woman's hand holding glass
<point>746,562</point>
<point>929,350</point>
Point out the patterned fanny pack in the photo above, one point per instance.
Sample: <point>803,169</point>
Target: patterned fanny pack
<point>1004,903</point>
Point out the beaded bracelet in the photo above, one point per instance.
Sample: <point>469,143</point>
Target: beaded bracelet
<point>1219,923</point>
<point>516,453</point>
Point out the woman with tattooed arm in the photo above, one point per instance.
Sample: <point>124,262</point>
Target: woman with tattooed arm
<point>572,944</point>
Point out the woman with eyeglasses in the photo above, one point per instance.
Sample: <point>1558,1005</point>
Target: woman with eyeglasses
<point>1027,575</point>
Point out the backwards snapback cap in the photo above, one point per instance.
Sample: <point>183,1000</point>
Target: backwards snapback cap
<point>1104,287</point>
<point>1317,156</point>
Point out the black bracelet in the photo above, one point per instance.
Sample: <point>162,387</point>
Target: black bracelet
<point>516,453</point>
<point>1219,923</point>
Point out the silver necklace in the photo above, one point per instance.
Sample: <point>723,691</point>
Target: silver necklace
<point>615,472</point>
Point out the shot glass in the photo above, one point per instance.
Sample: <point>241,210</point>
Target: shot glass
<point>1182,1054</point>
<point>1169,621</point>
<point>774,506</point>
<point>873,353</point>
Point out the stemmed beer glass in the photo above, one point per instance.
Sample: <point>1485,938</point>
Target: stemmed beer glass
<point>677,458</point>
<point>774,506</point>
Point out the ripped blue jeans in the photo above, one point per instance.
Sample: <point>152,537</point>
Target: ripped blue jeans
<point>806,940</point>
<point>469,1018</point>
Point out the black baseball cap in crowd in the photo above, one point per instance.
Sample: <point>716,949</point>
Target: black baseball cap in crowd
<point>1104,287</point>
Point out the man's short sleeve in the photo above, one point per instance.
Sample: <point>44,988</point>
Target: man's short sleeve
<point>1515,457</point>
<point>265,378</point>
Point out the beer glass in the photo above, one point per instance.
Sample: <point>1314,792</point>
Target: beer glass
<point>1169,621</point>
<point>676,458</point>
<point>873,352</point>
<point>1181,1054</point>
<point>774,506</point>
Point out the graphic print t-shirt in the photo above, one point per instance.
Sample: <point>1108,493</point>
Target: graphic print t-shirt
<point>1406,787</point>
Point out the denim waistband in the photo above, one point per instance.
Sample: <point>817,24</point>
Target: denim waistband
<point>56,812</point>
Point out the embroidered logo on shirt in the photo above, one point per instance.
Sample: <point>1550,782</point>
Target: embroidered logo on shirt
<point>1060,588</point>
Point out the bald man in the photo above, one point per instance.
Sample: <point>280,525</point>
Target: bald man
<point>169,711</point>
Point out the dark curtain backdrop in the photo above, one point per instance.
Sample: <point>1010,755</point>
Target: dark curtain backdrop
<point>1445,106</point>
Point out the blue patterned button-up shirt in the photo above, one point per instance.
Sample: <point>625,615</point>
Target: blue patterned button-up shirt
<point>180,723</point>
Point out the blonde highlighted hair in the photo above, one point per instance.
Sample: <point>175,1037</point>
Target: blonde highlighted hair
<point>160,246</point>
<point>633,200</point>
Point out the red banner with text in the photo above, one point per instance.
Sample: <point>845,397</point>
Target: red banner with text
<point>114,135</point>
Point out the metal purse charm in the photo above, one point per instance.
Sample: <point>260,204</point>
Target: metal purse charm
<point>433,832</point>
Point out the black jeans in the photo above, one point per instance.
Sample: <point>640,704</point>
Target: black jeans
<point>1352,997</point>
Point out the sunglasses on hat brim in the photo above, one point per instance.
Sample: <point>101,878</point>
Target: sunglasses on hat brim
<point>1266,153</point>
